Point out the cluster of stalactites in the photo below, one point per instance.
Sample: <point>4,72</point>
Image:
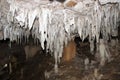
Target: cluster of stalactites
<point>56,24</point>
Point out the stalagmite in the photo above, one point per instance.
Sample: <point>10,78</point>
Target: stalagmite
<point>104,52</point>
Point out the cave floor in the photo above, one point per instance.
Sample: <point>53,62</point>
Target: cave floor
<point>41,66</point>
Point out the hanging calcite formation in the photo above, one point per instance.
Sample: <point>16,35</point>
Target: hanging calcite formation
<point>4,9</point>
<point>57,23</point>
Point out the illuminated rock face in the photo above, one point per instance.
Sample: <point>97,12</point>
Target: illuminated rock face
<point>70,3</point>
<point>69,51</point>
<point>31,51</point>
